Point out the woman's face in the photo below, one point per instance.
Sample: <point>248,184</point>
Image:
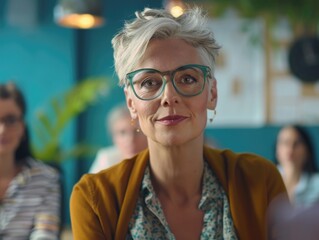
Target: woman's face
<point>11,127</point>
<point>172,119</point>
<point>126,137</point>
<point>291,150</point>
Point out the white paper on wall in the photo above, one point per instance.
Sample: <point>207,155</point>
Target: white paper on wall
<point>240,76</point>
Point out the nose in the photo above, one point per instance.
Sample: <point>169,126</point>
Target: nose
<point>170,95</point>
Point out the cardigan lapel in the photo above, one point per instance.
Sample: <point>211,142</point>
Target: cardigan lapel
<point>131,195</point>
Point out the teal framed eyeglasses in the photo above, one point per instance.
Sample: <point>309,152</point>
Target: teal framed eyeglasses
<point>188,80</point>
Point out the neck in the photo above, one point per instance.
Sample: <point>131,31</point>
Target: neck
<point>177,171</point>
<point>8,166</point>
<point>292,175</point>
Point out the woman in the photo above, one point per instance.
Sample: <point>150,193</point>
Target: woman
<point>29,190</point>
<point>178,188</point>
<point>297,164</point>
<point>127,139</point>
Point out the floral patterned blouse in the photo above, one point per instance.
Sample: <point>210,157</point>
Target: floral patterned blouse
<point>148,220</point>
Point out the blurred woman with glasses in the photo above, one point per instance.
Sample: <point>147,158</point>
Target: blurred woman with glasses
<point>178,188</point>
<point>29,190</point>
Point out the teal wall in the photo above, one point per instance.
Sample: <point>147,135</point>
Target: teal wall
<point>258,140</point>
<point>47,59</point>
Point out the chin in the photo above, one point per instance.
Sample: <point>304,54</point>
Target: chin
<point>175,141</point>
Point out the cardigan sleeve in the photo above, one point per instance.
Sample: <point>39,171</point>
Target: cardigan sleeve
<point>85,220</point>
<point>102,204</point>
<point>276,187</point>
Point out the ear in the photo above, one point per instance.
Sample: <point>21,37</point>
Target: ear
<point>130,103</point>
<point>212,97</point>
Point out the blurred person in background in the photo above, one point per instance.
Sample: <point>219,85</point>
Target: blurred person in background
<point>29,189</point>
<point>127,138</point>
<point>295,156</point>
<point>178,188</point>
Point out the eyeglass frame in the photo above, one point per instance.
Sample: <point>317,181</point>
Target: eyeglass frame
<point>16,119</point>
<point>205,70</point>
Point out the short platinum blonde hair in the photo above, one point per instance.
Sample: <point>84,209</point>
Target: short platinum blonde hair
<point>131,42</point>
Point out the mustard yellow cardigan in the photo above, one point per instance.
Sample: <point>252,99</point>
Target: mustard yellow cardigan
<point>102,204</point>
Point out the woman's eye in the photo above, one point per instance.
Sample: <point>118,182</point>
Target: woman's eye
<point>188,80</point>
<point>149,83</point>
<point>10,120</point>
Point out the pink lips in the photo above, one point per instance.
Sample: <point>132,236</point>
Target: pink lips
<point>171,120</point>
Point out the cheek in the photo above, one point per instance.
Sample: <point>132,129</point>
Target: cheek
<point>200,106</point>
<point>281,150</point>
<point>16,138</point>
<point>119,140</point>
<point>19,134</point>
<point>203,106</point>
<point>302,153</point>
<point>145,110</point>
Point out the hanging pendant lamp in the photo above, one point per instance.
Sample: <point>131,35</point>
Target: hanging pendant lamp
<point>83,14</point>
<point>175,7</point>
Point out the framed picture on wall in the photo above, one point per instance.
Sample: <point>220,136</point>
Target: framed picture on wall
<point>240,73</point>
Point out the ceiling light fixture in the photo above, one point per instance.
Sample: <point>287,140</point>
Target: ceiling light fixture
<point>83,14</point>
<point>175,7</point>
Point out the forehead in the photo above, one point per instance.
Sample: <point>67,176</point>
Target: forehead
<point>9,106</point>
<point>122,123</point>
<point>169,54</point>
<point>289,133</point>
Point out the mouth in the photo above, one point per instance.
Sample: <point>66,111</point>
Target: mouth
<point>171,120</point>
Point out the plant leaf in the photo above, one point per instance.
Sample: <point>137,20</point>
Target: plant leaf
<point>51,122</point>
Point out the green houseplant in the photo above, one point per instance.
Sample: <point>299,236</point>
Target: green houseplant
<point>51,121</point>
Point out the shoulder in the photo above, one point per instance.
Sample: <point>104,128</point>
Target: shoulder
<point>240,161</point>
<point>238,172</point>
<point>108,150</point>
<point>38,168</point>
<point>308,181</point>
<point>307,191</point>
<point>114,180</point>
<point>245,169</point>
<point>252,162</point>
<point>313,181</point>
<point>105,158</point>
<point>315,178</point>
